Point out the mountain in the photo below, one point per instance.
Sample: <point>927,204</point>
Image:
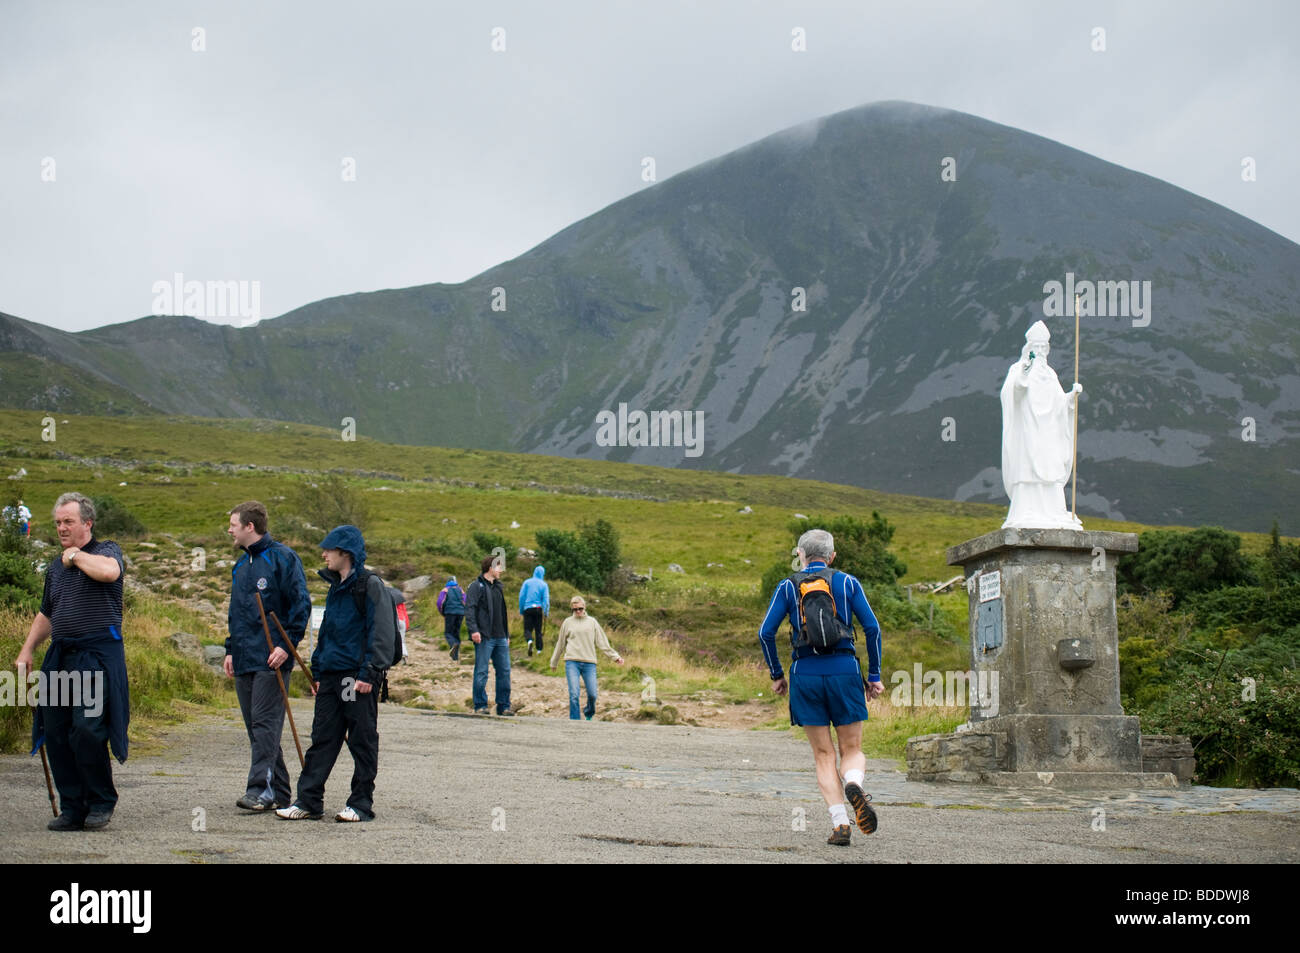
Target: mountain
<point>918,292</point>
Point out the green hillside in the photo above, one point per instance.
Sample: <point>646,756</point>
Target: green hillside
<point>693,632</point>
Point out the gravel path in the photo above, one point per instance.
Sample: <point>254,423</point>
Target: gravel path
<point>463,788</point>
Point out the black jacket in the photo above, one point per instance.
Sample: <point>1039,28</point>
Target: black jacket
<point>485,609</point>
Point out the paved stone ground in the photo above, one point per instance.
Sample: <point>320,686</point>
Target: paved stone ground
<point>463,788</point>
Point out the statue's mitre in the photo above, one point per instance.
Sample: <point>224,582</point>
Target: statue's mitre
<point>1038,333</point>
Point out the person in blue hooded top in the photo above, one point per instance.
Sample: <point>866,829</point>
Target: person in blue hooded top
<point>353,650</point>
<point>535,607</point>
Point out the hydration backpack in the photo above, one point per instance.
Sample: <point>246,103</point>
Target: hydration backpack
<point>819,623</point>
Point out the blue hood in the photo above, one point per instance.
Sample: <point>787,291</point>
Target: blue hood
<point>539,572</point>
<point>347,538</point>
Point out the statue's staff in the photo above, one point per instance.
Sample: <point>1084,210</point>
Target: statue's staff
<point>1074,464</point>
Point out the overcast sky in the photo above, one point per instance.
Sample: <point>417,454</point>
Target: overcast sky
<point>227,163</point>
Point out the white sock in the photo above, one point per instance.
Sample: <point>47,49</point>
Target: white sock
<point>854,776</point>
<point>839,815</point>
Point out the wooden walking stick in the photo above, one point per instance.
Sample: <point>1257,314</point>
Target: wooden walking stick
<point>1074,464</point>
<point>49,783</point>
<point>45,762</point>
<point>302,762</point>
<point>292,648</point>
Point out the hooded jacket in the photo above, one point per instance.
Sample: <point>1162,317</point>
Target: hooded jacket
<point>535,593</point>
<point>346,641</point>
<point>274,570</point>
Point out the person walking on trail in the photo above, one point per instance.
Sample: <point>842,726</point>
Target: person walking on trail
<point>353,649</point>
<point>826,686</point>
<point>580,636</point>
<point>451,606</point>
<point>81,615</point>
<point>273,571</point>
<point>535,607</point>
<point>488,624</point>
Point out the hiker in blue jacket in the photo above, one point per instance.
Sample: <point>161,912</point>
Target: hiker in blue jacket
<point>353,650</point>
<point>826,686</point>
<point>272,570</point>
<point>535,607</point>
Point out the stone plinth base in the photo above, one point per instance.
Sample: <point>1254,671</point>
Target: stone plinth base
<point>1172,753</point>
<point>980,755</point>
<point>1084,780</point>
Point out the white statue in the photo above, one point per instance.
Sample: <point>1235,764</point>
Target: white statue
<point>1037,438</point>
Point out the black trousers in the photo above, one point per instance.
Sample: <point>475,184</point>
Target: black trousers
<point>533,621</point>
<point>342,710</point>
<point>77,744</point>
<point>262,706</point>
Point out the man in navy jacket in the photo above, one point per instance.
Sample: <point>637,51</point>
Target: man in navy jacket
<point>274,571</point>
<point>353,650</point>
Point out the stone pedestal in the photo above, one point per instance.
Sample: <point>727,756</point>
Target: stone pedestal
<point>1045,658</point>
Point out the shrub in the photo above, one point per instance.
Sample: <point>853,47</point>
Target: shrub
<point>565,556</point>
<point>20,584</point>
<point>114,521</point>
<point>1184,563</point>
<point>589,558</point>
<point>485,543</point>
<point>1240,740</point>
<point>330,502</point>
<point>861,550</point>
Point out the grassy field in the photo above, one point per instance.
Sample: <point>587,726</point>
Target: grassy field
<point>691,631</point>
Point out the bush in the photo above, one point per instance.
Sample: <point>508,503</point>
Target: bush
<point>1240,740</point>
<point>601,540</point>
<point>1280,564</point>
<point>485,543</point>
<point>330,502</point>
<point>114,521</point>
<point>860,550</point>
<point>567,557</point>
<point>1150,642</point>
<point>589,558</point>
<point>20,584</point>
<point>1184,563</point>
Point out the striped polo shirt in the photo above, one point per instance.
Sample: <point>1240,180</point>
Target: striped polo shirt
<point>75,604</point>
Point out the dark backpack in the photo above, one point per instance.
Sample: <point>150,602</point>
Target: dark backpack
<point>819,623</point>
<point>361,589</point>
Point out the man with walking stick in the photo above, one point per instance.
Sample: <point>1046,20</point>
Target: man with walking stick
<point>85,706</point>
<point>271,572</point>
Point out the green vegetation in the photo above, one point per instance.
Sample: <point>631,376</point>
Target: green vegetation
<point>1219,665</point>
<point>165,687</point>
<point>114,521</point>
<point>435,510</point>
<point>20,584</point>
<point>1184,563</point>
<point>588,558</point>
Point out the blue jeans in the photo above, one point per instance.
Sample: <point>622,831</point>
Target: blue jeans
<point>587,671</point>
<point>498,652</point>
